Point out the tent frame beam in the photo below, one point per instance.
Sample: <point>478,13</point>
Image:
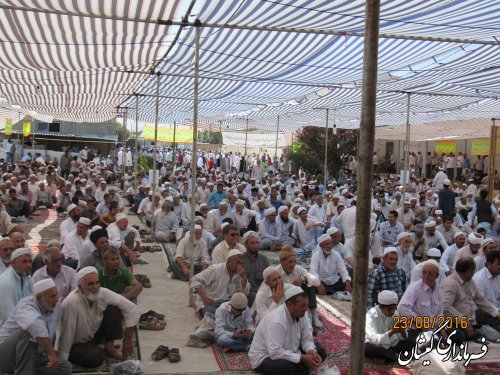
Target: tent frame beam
<point>197,23</point>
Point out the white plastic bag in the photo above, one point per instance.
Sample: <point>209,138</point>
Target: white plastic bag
<point>328,370</point>
<point>129,367</point>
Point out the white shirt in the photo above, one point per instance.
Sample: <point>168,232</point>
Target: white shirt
<point>242,220</point>
<point>65,280</point>
<point>447,261</point>
<point>116,236</point>
<point>298,271</point>
<point>300,233</point>
<point>347,220</point>
<point>420,300</point>
<point>264,300</point>
<point>318,213</point>
<point>489,286</point>
<point>416,274</point>
<point>187,252</point>
<point>72,245</point>
<point>278,336</point>
<point>406,262</point>
<point>66,227</point>
<point>378,326</point>
<point>226,323</point>
<point>329,268</point>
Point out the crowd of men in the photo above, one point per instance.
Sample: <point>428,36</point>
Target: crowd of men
<point>434,253</point>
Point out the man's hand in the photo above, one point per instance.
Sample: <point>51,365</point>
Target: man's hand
<point>321,290</point>
<point>53,360</point>
<point>297,281</point>
<point>241,272</point>
<point>348,287</point>
<point>207,300</point>
<point>278,292</point>
<point>185,271</point>
<point>469,330</point>
<point>311,360</point>
<point>127,347</point>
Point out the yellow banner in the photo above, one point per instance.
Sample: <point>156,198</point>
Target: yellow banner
<point>167,135</point>
<point>445,147</point>
<point>8,126</point>
<point>26,128</point>
<point>480,147</point>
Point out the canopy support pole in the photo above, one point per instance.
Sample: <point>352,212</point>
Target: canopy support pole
<point>246,139</point>
<point>136,152</point>
<point>175,145</point>
<point>210,136</point>
<point>277,132</point>
<point>124,155</point>
<point>365,178</point>
<point>407,148</point>
<point>194,159</point>
<point>157,119</point>
<point>493,155</point>
<point>220,148</point>
<point>326,150</point>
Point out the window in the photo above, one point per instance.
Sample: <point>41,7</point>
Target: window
<point>42,126</point>
<point>55,127</point>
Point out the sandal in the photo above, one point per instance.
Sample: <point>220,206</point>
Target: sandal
<point>153,324</point>
<point>174,355</point>
<point>156,248</point>
<point>151,313</point>
<point>160,353</point>
<point>149,249</point>
<point>146,283</point>
<point>136,227</point>
<point>142,249</point>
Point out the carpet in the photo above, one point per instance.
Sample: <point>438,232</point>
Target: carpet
<point>42,228</point>
<point>303,260</point>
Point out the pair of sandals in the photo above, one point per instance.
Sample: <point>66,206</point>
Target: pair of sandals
<point>152,324</point>
<point>162,351</point>
<point>151,249</point>
<point>144,280</point>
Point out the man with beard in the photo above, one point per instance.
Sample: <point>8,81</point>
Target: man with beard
<point>91,314</point>
<point>270,231</point>
<point>470,250</point>
<point>447,260</point>
<point>27,337</point>
<point>125,238</point>
<point>166,223</point>
<point>285,223</point>
<point>405,256</point>
<point>254,263</point>
<point>214,218</point>
<point>433,237</point>
<point>17,207</point>
<point>6,249</point>
<point>283,342</point>
<point>15,283</point>
<point>74,241</point>
<point>271,293</point>
<point>187,252</point>
<point>99,241</point>
<point>69,224</point>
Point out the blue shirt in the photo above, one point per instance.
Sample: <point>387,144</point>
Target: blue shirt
<point>12,292</point>
<point>215,198</point>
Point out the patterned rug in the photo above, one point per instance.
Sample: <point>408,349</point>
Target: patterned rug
<point>42,228</point>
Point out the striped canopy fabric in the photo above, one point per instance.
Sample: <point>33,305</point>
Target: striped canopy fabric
<point>277,63</point>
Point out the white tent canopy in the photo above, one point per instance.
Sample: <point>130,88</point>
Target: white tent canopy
<point>79,61</point>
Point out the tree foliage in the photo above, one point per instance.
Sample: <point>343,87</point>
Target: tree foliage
<point>308,149</point>
<point>205,137</point>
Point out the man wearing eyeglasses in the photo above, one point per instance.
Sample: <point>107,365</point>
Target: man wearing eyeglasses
<point>231,236</point>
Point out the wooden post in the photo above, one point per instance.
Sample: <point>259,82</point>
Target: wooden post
<point>136,152</point>
<point>174,151</point>
<point>365,177</point>
<point>404,180</point>
<point>325,177</point>
<point>493,155</point>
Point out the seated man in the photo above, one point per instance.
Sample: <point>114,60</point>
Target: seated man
<point>487,245</point>
<point>488,280</point>
<point>283,342</point>
<point>285,222</point>
<point>234,324</point>
<point>17,206</point>
<point>74,241</point>
<point>254,263</point>
<point>166,223</point>
<point>187,252</point>
<point>28,336</point>
<point>299,276</point>
<point>462,298</point>
<point>15,283</point>
<point>100,242</point>
<point>91,314</point>
<point>388,276</point>
<point>306,230</point>
<point>115,277</point>
<point>271,293</point>
<point>330,268</point>
<point>243,218</point>
<point>125,238</point>
<point>64,277</point>
<point>69,224</point>
<point>44,196</point>
<point>383,338</point>
<point>447,261</point>
<point>230,241</point>
<point>471,249</point>
<point>424,299</point>
<point>219,282</point>
<point>6,249</point>
<point>432,254</point>
<point>270,231</point>
<point>405,256</point>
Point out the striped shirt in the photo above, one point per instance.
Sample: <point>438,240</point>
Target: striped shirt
<point>381,279</point>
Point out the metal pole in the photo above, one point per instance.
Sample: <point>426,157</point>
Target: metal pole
<point>220,150</point>
<point>175,146</point>
<point>157,119</point>
<point>246,137</point>
<point>124,155</point>
<point>365,177</point>
<point>493,155</point>
<point>210,136</point>
<point>277,131</point>
<point>407,147</point>
<point>326,149</point>
<point>136,152</point>
<point>194,162</point>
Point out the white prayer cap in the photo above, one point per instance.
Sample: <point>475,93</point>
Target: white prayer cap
<point>84,221</point>
<point>20,252</point>
<point>323,238</point>
<point>240,202</point>
<point>430,224</point>
<point>434,253</point>
<point>198,218</point>
<point>197,227</point>
<point>293,291</point>
<point>299,200</point>
<point>458,234</point>
<point>387,297</point>
<point>403,235</point>
<point>233,253</point>
<point>474,238</point>
<point>71,207</point>
<point>433,262</point>
<point>300,210</point>
<point>335,196</point>
<point>84,272</point>
<point>223,225</point>
<point>270,211</point>
<point>486,241</point>
<point>282,208</point>
<point>446,182</point>
<point>239,301</point>
<point>438,212</point>
<point>390,249</point>
<point>250,233</point>
<point>121,216</point>
<point>43,285</point>
<point>344,191</point>
<point>205,205</point>
<point>223,203</point>
<point>53,242</point>
<point>332,230</point>
<point>94,228</point>
<point>268,271</point>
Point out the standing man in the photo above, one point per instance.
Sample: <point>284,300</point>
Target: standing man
<point>446,199</point>
<point>28,336</point>
<point>281,338</point>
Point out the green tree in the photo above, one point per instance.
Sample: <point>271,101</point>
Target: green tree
<point>204,136</point>
<point>308,149</point>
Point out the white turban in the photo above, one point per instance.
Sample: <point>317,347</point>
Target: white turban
<point>120,216</point>
<point>20,252</point>
<point>250,233</point>
<point>430,224</point>
<point>84,221</point>
<point>332,230</point>
<point>268,271</point>
<point>84,272</point>
<point>475,238</point>
<point>300,210</point>
<point>43,285</point>
<point>403,235</point>
<point>323,238</point>
<point>282,208</point>
<point>270,211</point>
<point>390,249</point>
<point>387,297</point>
